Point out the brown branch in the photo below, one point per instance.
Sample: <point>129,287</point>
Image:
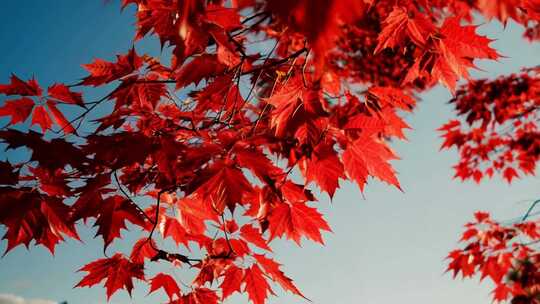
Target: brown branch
<point>155,220</point>
<point>276,63</point>
<point>253,70</point>
<point>171,257</point>
<point>530,209</point>
<point>129,198</point>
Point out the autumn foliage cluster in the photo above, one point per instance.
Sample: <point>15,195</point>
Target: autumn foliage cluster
<point>200,144</point>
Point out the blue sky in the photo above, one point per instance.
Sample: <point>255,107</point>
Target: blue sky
<point>387,246</point>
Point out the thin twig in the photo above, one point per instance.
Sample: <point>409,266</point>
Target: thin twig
<point>129,198</point>
<point>530,209</point>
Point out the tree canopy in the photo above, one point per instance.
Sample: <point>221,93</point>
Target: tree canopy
<point>201,143</point>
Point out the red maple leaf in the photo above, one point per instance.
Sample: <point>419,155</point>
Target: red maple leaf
<point>232,280</point>
<point>271,267</point>
<point>20,87</point>
<point>59,117</point>
<point>117,271</point>
<point>256,286</point>
<point>102,72</point>
<point>63,93</point>
<point>166,282</point>
<point>193,213</point>
<point>18,109</point>
<point>225,188</point>
<point>452,53</point>
<point>198,296</point>
<point>324,168</point>
<point>296,220</point>
<point>143,249</point>
<point>171,227</point>
<point>252,235</point>
<point>111,216</point>
<point>401,24</point>
<point>28,216</point>
<point>367,157</point>
<point>201,67</point>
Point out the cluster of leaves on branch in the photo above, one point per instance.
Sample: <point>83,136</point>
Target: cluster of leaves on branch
<point>501,131</point>
<point>200,144</point>
<point>506,254</point>
<point>500,134</point>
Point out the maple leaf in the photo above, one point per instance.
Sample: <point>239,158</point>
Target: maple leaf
<point>30,216</point>
<point>481,216</point>
<point>226,52</point>
<point>454,50</point>
<point>256,286</point>
<point>470,233</point>
<point>286,102</point>
<point>199,295</point>
<point>324,168</point>
<point>232,280</point>
<point>85,206</point>
<point>41,117</point>
<point>296,220</point>
<point>59,118</point>
<point>143,249</point>
<point>257,162</point>
<point>63,93</point>
<point>111,217</point>
<point>271,267</point>
<point>318,20</point>
<point>509,174</point>
<point>20,87</point>
<point>395,125</point>
<point>18,109</point>
<point>139,92</point>
<point>491,268</point>
<point>117,271</point>
<point>399,25</point>
<point>210,268</point>
<point>393,97</point>
<point>218,95</point>
<point>252,235</point>
<point>171,227</point>
<point>102,72</point>
<point>240,247</point>
<point>225,188</point>
<point>159,17</point>
<point>368,124</point>
<point>464,41</point>
<point>501,292</point>
<point>365,157</point>
<point>228,18</point>
<point>51,182</point>
<point>192,215</point>
<point>166,282</point>
<point>501,9</point>
<point>201,67</point>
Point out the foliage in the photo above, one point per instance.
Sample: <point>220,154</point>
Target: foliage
<point>201,144</point>
<point>504,254</point>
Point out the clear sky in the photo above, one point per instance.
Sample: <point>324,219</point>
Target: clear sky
<point>387,246</point>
